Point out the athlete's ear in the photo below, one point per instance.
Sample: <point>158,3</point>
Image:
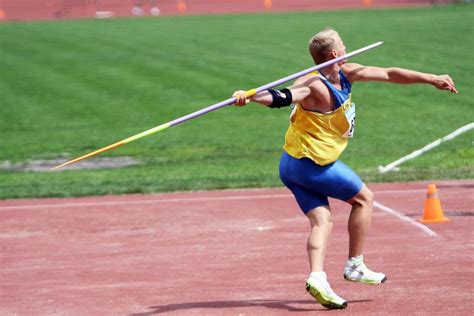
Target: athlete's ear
<point>333,53</point>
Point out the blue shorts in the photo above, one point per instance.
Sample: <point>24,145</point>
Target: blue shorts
<point>312,184</point>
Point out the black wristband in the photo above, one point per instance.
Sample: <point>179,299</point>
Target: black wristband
<point>281,98</point>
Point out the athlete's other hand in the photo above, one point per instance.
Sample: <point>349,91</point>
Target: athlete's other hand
<point>445,82</point>
<point>241,98</point>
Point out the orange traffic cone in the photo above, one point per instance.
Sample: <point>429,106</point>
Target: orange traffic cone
<point>267,4</point>
<point>3,16</point>
<point>181,6</point>
<point>367,3</point>
<point>433,212</point>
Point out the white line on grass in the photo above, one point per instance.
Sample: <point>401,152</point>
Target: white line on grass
<point>393,165</point>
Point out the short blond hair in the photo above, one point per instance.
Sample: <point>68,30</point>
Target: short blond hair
<point>322,43</point>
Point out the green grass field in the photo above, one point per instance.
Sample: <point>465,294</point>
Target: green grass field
<point>70,87</point>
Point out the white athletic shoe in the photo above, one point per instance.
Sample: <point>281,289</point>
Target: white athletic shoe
<point>360,273</point>
<point>155,11</point>
<point>322,292</point>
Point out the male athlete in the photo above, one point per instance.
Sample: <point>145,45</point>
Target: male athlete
<point>321,123</point>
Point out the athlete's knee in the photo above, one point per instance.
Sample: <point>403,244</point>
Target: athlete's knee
<point>321,226</point>
<point>368,196</point>
<point>325,224</point>
<point>320,217</point>
<point>365,197</point>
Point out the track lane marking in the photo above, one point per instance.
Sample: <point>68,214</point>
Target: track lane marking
<point>170,200</point>
<point>377,205</point>
<point>405,218</point>
<point>151,201</point>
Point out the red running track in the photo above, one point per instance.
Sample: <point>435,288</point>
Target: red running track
<point>14,10</point>
<point>235,252</point>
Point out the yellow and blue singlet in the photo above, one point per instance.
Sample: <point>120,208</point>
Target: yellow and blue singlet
<point>322,137</point>
<point>313,143</point>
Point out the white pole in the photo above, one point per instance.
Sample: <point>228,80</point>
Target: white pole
<point>428,147</point>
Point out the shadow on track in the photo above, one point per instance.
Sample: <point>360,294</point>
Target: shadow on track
<point>287,305</point>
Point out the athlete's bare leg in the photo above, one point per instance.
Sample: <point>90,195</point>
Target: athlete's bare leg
<point>359,220</point>
<point>321,225</point>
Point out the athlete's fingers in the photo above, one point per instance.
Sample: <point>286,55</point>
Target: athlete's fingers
<point>238,98</point>
<point>241,98</point>
<point>450,84</point>
<point>445,82</point>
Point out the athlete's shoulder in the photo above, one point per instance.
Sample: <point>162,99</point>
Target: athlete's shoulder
<point>311,80</point>
<point>352,70</point>
<point>308,78</point>
<point>350,67</point>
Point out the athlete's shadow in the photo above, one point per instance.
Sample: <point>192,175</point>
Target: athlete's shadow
<point>288,305</point>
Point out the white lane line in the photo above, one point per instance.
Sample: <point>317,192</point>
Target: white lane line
<point>399,191</point>
<point>217,198</point>
<point>171,200</point>
<point>150,201</point>
<point>405,219</point>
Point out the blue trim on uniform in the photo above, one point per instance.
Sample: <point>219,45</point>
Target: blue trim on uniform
<point>342,95</point>
<point>312,184</point>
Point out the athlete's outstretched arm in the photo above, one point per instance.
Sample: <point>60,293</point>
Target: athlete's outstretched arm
<point>299,91</point>
<point>356,72</point>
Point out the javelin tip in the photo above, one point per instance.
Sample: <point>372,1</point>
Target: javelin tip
<point>99,151</point>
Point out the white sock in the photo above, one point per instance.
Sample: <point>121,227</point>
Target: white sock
<point>355,261</point>
<point>319,275</point>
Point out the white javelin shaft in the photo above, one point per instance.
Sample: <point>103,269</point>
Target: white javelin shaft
<point>272,84</point>
<point>219,105</point>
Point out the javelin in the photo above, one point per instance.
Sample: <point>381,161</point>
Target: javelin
<point>249,93</point>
